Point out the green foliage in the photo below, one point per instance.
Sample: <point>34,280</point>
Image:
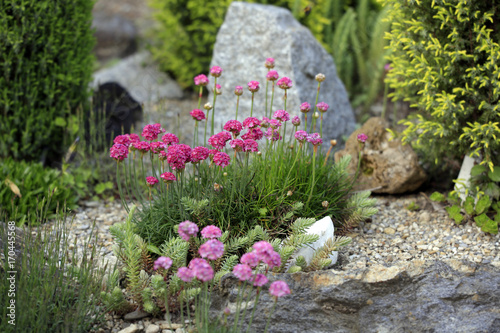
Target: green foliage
<point>413,206</point>
<point>320,259</point>
<point>46,66</point>
<point>445,63</point>
<point>24,187</point>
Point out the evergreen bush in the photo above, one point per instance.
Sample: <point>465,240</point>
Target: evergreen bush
<point>46,66</point>
<point>444,62</point>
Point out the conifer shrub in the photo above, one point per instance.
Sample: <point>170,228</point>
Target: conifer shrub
<point>46,66</point>
<point>445,63</point>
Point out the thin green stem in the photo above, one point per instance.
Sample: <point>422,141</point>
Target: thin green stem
<point>253,310</point>
<point>267,85</point>
<point>206,123</point>
<point>272,98</point>
<point>271,314</point>
<point>237,105</point>
<point>313,175</point>
<point>251,108</point>
<point>213,109</point>
<point>200,94</point>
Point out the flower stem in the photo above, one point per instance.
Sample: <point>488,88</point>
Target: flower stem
<point>267,85</point>
<point>313,176</point>
<point>213,109</point>
<point>271,314</point>
<point>237,104</point>
<point>199,96</point>
<point>253,310</point>
<point>272,98</point>
<point>251,108</point>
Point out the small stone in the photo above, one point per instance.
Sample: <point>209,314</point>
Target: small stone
<point>131,329</point>
<point>137,314</point>
<point>389,231</point>
<point>153,329</point>
<point>91,204</point>
<point>165,325</point>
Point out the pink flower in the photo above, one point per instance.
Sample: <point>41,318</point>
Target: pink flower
<point>269,63</point>
<point>265,122</point>
<point>296,121</point>
<point>284,83</point>
<point>251,122</point>
<point>168,177</point>
<point>273,134</point>
<point>251,259</point>
<point>118,151</point>
<point>142,146</point>
<point>197,115</point>
<point>273,260</point>
<point>170,139</point>
<point>151,181</point>
<point>259,280</point>
<point>211,231</point>
<point>262,246</point>
<point>253,86</point>
<point>187,229</point>
<point>156,147</point>
<point>272,76</point>
<point>274,123</point>
<point>199,154</point>
<point>163,155</point>
<point>387,67</point>
<point>219,140</point>
<point>237,144</point>
<point>218,89</point>
<point>201,80</point>
<point>362,138</point>
<point>185,274</point>
<point>305,107</point>
<point>150,132</point>
<point>201,269</point>
<point>301,136</point>
<point>238,91</point>
<point>315,139</point>
<point>242,271</point>
<point>322,106</point>
<point>234,127</point>
<point>216,71</point>
<point>211,153</point>
<point>253,134</point>
<point>213,249</point>
<point>123,139</point>
<point>279,288</point>
<point>281,115</point>
<point>250,146</point>
<point>134,138</point>
<point>163,262</point>
<point>222,159</point>
<point>178,156</point>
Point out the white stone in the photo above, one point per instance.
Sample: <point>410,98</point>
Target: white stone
<point>153,329</point>
<point>463,180</point>
<point>131,329</point>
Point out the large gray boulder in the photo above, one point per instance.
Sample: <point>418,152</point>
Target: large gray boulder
<point>253,32</point>
<point>420,296</point>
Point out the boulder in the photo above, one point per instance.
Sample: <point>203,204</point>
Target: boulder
<point>141,77</point>
<point>253,32</point>
<point>387,166</point>
<point>116,36</point>
<point>420,296</point>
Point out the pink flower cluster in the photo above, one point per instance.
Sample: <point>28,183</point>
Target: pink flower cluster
<point>251,122</point>
<point>284,83</point>
<point>238,90</point>
<point>123,140</point>
<point>151,181</point>
<point>219,140</point>
<point>315,139</point>
<point>151,131</point>
<point>281,115</point>
<point>197,114</point>
<point>178,156</point>
<point>279,288</point>
<point>273,134</point>
<point>362,138</point>
<point>163,262</point>
<point>237,144</point>
<point>168,177</point>
<point>201,80</point>
<point>234,127</point>
<point>250,145</point>
<point>211,249</point>
<point>272,76</point>
<point>170,139</point>
<point>216,71</point>
<point>253,86</point>
<point>301,136</point>
<point>199,154</point>
<point>253,134</point>
<point>211,231</point>
<point>222,159</point>
<point>142,146</point>
<point>269,63</point>
<point>322,106</point>
<point>187,229</point>
<point>118,151</point>
<point>296,121</point>
<point>201,269</point>
<point>157,147</point>
<point>305,107</point>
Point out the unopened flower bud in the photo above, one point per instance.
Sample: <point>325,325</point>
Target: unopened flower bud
<point>208,106</point>
<point>305,107</point>
<point>269,63</point>
<point>259,153</point>
<point>195,179</point>
<point>227,312</point>
<point>333,143</point>
<point>225,174</point>
<point>238,91</point>
<point>325,204</point>
<point>218,90</point>
<point>320,77</point>
<point>289,193</point>
<point>316,115</point>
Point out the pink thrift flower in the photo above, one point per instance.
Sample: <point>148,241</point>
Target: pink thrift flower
<point>237,144</point>
<point>219,140</point>
<point>251,259</point>
<point>281,115</point>
<point>163,155</point>
<point>259,280</point>
<point>211,231</point>
<point>187,229</point>
<point>211,153</point>
<point>201,80</point>
<point>262,246</point>
<point>213,249</point>
<point>296,121</point>
<point>387,67</point>
<point>251,122</point>
<point>250,146</point>
<point>305,107</point>
<point>362,138</point>
<point>170,139</point>
<point>163,262</point>
<point>233,126</point>
<point>134,138</point>
<point>216,71</point>
<point>199,154</point>
<point>322,106</point>
<point>273,134</point>
<point>272,76</point>
<point>151,181</point>
<point>269,63</point>
<point>243,272</point>
<point>151,131</point>
<point>201,269</point>
<point>222,159</point>
<point>265,122</point>
<point>301,136</point>
<point>218,89</point>
<point>156,147</point>
<point>274,123</point>
<point>142,146</point>
<point>284,83</point>
<point>118,151</point>
<point>178,156</point>
<point>315,139</point>
<point>238,91</point>
<point>273,260</point>
<point>168,177</point>
<point>279,289</point>
<point>253,134</point>
<point>123,139</point>
<point>185,274</point>
<point>197,115</point>
<point>253,86</point>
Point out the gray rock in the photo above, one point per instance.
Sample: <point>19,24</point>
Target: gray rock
<point>136,315</point>
<point>253,32</point>
<point>115,36</point>
<point>420,296</point>
<point>153,328</point>
<point>141,77</point>
<point>131,329</point>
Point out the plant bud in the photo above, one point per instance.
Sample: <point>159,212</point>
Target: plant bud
<point>316,115</point>
<point>208,106</point>
<point>225,174</point>
<point>333,143</point>
<point>259,153</point>
<point>325,204</point>
<point>289,193</point>
<point>320,77</point>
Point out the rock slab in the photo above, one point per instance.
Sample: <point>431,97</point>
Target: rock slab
<point>387,166</point>
<point>420,296</point>
<point>253,32</point>
<point>116,36</point>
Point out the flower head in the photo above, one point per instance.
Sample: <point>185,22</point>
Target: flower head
<point>201,80</point>
<point>320,77</point>
<point>250,146</point>
<point>315,139</point>
<point>362,138</point>
<point>187,229</point>
<point>279,288</point>
<point>168,177</point>
<point>163,262</point>
<point>201,269</point>
<point>265,122</point>
<point>199,154</point>
<point>301,136</point>
<point>269,63</point>
<point>219,140</point>
<point>274,123</point>
<point>185,274</point>
<point>296,121</point>
<point>251,259</point>
<point>197,115</point>
<point>218,89</point>
<point>305,107</point>
<point>162,155</point>
<point>251,122</point>
<point>151,131</point>
<point>157,147</point>
<point>238,90</point>
<point>118,151</point>
<point>272,75</point>
<point>178,156</point>
<point>142,146</point>
<point>208,106</point>
<point>222,159</point>
<point>134,138</point>
<point>322,106</point>
<point>151,181</point>
<point>259,280</point>
<point>253,86</point>
<point>273,134</point>
<point>211,231</point>
<point>262,246</point>
<point>212,249</point>
<point>237,144</point>
<point>273,259</point>
<point>123,139</point>
<point>242,271</point>
<point>234,127</point>
<point>284,83</point>
<point>216,71</point>
<point>253,134</point>
<point>170,139</point>
<point>281,115</point>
